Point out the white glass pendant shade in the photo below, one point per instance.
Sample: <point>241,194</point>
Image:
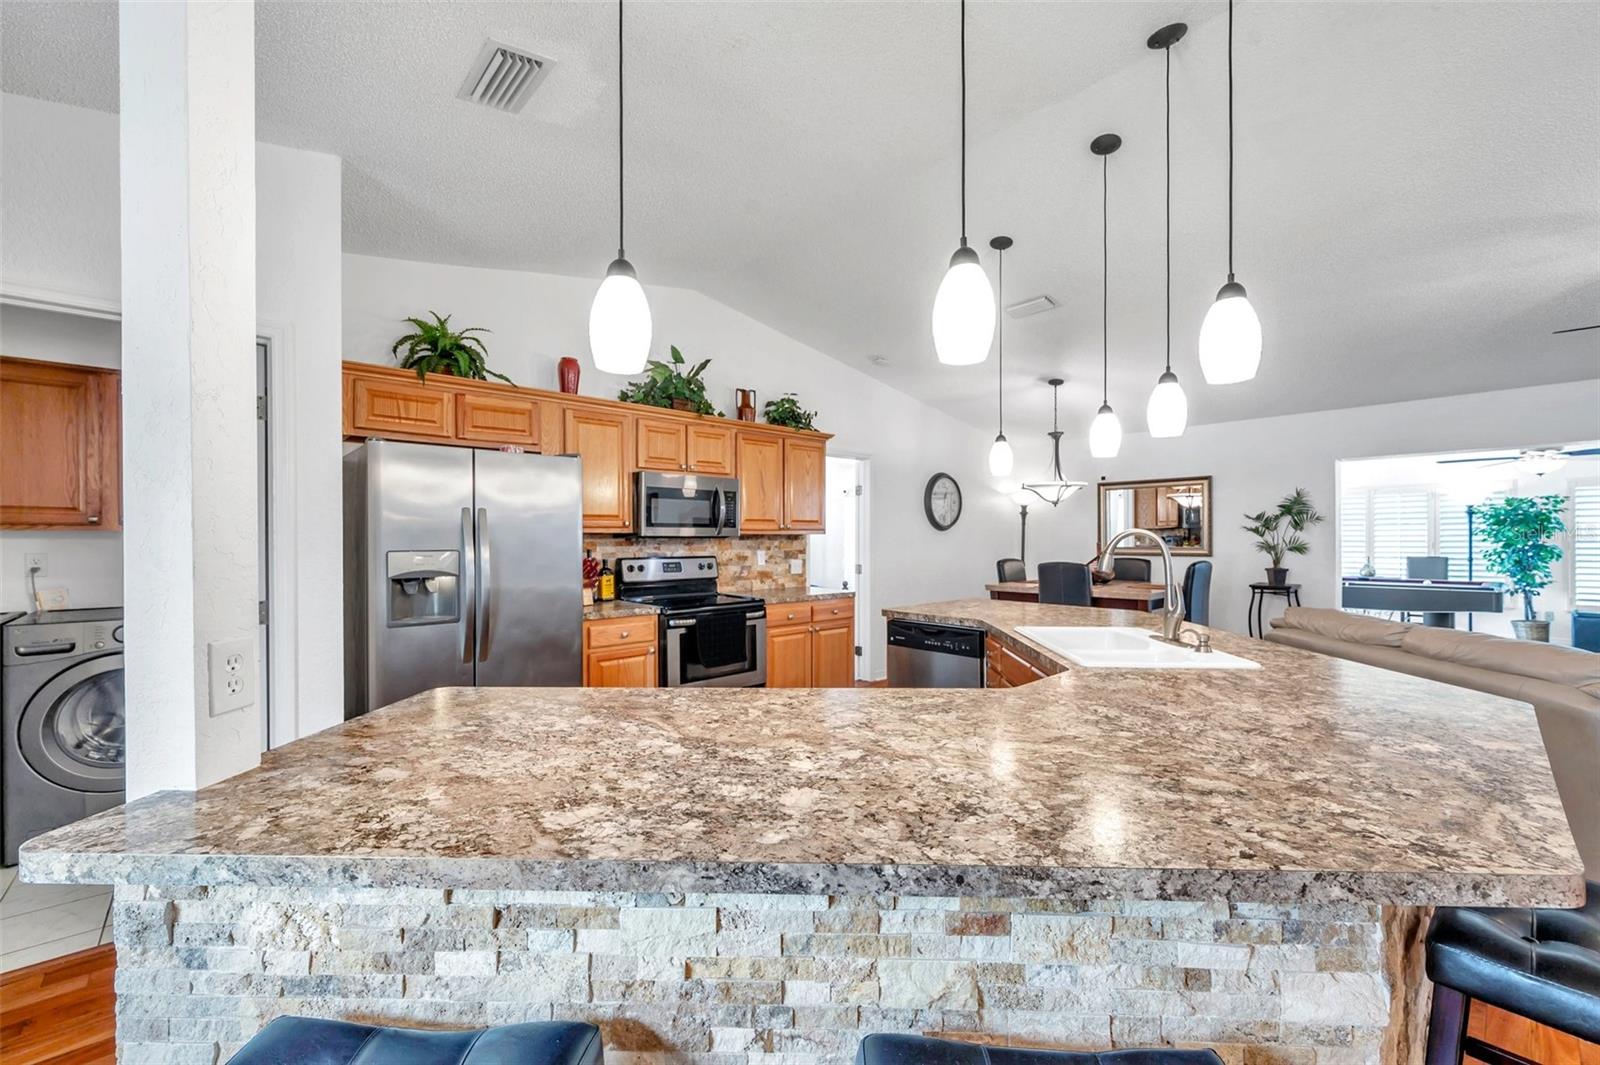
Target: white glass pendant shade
<point>619,322</point>
<point>1230,338</point>
<point>1000,457</point>
<point>1105,433</point>
<point>1168,410</point>
<point>963,312</point>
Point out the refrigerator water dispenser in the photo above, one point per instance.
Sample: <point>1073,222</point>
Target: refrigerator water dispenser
<point>424,587</point>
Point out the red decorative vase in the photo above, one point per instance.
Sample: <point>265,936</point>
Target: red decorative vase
<point>568,369</point>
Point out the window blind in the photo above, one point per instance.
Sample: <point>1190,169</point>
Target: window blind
<point>1586,545</point>
<point>1402,525</point>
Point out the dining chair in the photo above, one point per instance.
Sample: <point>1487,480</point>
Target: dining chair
<point>1010,569</point>
<point>1197,593</point>
<point>1130,569</point>
<point>1064,583</point>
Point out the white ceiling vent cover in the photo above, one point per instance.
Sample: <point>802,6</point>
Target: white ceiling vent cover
<point>504,76</point>
<point>1037,305</point>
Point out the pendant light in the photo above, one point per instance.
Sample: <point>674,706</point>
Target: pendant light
<point>963,309</point>
<point>1167,413</point>
<point>1105,432</point>
<point>1057,489</point>
<point>619,319</point>
<point>1230,336</point>
<point>1000,457</point>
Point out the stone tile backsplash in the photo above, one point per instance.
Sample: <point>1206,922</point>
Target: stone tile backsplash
<point>736,558</point>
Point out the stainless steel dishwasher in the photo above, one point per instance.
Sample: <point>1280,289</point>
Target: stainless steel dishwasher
<point>924,655</point>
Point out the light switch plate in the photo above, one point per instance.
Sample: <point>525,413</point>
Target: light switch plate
<point>797,565</point>
<point>231,666</point>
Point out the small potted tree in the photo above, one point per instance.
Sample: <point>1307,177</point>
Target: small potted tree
<point>1277,532</point>
<point>1518,530</point>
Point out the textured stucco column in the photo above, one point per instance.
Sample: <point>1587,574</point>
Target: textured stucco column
<point>188,380</point>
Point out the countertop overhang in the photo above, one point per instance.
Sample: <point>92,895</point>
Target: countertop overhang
<point>1310,780</point>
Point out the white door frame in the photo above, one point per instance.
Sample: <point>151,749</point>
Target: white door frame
<point>282,662</point>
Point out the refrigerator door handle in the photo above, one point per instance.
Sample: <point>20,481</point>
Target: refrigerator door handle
<point>469,569</point>
<point>485,581</point>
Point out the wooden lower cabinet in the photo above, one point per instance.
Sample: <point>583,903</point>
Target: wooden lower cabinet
<point>61,438</point>
<point>621,653</point>
<point>1003,668</point>
<point>811,645</point>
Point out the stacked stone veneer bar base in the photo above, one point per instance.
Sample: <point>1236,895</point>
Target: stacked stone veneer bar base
<point>728,979</point>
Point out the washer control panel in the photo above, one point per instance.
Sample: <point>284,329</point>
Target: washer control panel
<point>42,640</point>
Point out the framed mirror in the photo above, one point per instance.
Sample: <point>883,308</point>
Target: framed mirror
<point>1178,510</point>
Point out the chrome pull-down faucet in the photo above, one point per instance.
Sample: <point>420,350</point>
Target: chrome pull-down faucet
<point>1172,629</point>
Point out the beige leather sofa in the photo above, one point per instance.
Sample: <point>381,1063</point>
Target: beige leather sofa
<point>1562,683</point>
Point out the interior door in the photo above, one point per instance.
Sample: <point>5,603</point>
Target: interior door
<point>529,539</point>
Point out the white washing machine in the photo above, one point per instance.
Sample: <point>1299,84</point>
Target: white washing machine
<point>61,697</point>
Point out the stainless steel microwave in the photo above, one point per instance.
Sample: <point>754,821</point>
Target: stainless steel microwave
<point>685,504</point>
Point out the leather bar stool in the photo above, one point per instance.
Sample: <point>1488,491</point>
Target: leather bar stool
<point>921,1050</point>
<point>1543,965</point>
<point>313,1041</point>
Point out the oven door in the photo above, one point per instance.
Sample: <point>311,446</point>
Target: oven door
<point>675,504</point>
<point>686,656</point>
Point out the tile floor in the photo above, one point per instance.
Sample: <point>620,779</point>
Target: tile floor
<point>43,921</point>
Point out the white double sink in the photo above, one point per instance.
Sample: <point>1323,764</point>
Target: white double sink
<point>1121,647</point>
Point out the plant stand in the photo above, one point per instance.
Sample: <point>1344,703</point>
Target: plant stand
<point>1258,596</point>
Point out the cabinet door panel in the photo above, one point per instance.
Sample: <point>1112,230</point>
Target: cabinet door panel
<point>833,655</point>
<point>497,419</point>
<point>660,444</point>
<point>760,482</point>
<point>379,407</point>
<point>60,434</point>
<point>789,657</point>
<point>603,441</point>
<point>804,501</point>
<point>710,449</point>
<point>623,667</point>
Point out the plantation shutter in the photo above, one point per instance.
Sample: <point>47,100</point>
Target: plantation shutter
<point>1586,545</point>
<point>1453,536</point>
<point>1353,524</point>
<point>1401,526</point>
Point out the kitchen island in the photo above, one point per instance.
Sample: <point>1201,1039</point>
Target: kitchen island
<point>1243,859</point>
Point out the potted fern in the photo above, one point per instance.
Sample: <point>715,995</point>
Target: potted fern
<point>1518,530</point>
<point>1277,532</point>
<point>436,348</point>
<point>669,384</point>
<point>787,412</point>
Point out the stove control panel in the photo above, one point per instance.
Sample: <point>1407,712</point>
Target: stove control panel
<point>655,569</point>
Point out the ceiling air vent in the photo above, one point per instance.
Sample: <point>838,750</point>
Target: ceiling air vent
<point>1037,305</point>
<point>503,77</point>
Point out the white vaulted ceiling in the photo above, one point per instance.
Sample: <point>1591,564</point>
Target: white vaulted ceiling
<point>1417,202</point>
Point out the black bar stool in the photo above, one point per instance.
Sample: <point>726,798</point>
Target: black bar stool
<point>921,1050</point>
<point>314,1041</point>
<point>1540,964</point>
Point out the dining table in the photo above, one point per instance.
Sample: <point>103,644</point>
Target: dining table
<point>1113,595</point>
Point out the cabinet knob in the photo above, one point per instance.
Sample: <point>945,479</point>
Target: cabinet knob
<point>624,634</point>
<point>791,615</point>
<point>94,519</point>
<point>651,651</point>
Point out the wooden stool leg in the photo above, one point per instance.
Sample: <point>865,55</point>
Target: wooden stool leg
<point>1447,1026</point>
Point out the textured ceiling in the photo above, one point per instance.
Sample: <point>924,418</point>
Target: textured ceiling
<point>1417,202</point>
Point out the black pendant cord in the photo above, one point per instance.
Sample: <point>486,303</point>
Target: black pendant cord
<point>1230,141</point>
<point>963,123</point>
<point>1168,51</point>
<point>1000,362</point>
<point>1105,282</point>
<point>620,168</point>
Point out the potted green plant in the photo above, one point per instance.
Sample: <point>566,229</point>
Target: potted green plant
<point>787,412</point>
<point>436,348</point>
<point>1518,530</point>
<point>668,384</point>
<point>1277,532</point>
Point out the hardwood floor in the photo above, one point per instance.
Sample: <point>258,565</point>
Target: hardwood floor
<point>62,1011</point>
<point>1532,1041</point>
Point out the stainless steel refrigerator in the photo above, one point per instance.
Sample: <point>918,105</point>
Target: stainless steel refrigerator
<point>462,567</point>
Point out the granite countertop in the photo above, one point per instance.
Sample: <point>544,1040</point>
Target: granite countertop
<point>617,608</point>
<point>800,595</point>
<point>1310,780</point>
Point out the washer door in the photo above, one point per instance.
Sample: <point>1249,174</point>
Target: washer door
<point>71,731</point>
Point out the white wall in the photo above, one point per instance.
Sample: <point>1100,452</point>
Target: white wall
<point>538,318</point>
<point>1255,463</point>
<point>60,217</point>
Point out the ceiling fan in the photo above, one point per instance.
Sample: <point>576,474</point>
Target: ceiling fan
<point>1535,460</point>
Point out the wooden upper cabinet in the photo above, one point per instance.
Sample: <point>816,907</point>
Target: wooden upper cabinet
<point>711,449</point>
<point>385,406</point>
<point>760,457</point>
<point>60,446</point>
<point>660,444</point>
<point>804,496</point>
<point>497,419</point>
<point>604,441</point>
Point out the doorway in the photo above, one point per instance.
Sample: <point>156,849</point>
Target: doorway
<point>263,543</point>
<point>836,560</point>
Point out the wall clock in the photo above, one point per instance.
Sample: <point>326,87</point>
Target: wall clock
<point>941,501</point>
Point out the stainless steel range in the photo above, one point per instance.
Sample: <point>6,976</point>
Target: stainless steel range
<point>708,638</point>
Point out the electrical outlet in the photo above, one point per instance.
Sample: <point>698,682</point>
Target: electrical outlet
<point>40,564</point>
<point>232,670</point>
<point>761,557</point>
